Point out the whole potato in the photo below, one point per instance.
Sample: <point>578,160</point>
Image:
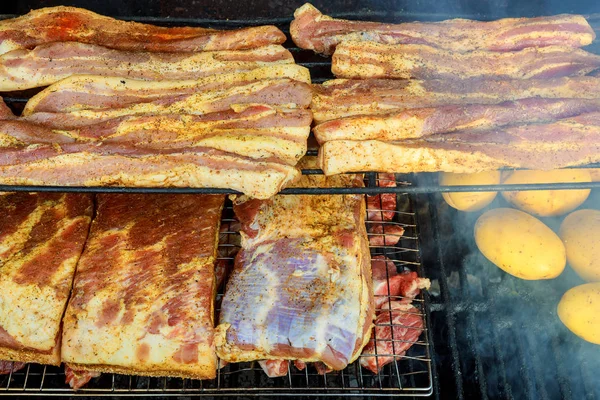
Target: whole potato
<point>594,174</point>
<point>520,244</point>
<point>580,232</point>
<point>469,201</point>
<point>546,203</point>
<point>579,310</point>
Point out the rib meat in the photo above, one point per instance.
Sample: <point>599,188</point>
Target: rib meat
<point>275,368</point>
<point>312,30</point>
<point>382,207</point>
<point>564,143</point>
<point>92,92</point>
<point>49,63</point>
<point>143,295</point>
<point>279,92</point>
<point>301,285</point>
<point>397,328</point>
<point>345,97</point>
<point>419,122</point>
<point>383,235</point>
<point>375,60</point>
<point>61,24</point>
<point>78,379</point>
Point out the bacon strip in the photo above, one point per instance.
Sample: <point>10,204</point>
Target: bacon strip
<point>62,24</point>
<point>110,165</point>
<point>8,367</point>
<point>569,142</point>
<point>343,97</point>
<point>49,63</point>
<point>419,122</point>
<point>312,30</point>
<point>281,92</point>
<point>374,60</point>
<point>86,92</point>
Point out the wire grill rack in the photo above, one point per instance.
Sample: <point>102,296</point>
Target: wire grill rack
<point>411,375</point>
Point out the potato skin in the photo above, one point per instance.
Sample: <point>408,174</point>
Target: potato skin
<point>580,232</point>
<point>547,203</point>
<point>469,201</point>
<point>579,310</point>
<point>520,244</point>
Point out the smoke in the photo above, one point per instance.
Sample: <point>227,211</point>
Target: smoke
<point>510,341</point>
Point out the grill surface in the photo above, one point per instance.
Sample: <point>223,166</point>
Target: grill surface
<point>412,375</point>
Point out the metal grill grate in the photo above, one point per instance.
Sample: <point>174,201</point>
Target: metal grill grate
<point>411,376</point>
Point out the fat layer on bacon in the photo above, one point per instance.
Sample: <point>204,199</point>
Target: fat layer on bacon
<point>375,60</point>
<point>49,63</point>
<point>143,295</point>
<point>312,30</point>
<point>55,24</point>
<point>301,286</point>
<point>41,239</point>
<point>87,92</point>
<point>564,143</point>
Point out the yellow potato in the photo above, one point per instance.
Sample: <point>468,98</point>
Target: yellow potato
<point>579,310</point>
<point>580,232</point>
<point>469,201</point>
<point>520,244</point>
<point>594,174</point>
<point>546,203</point>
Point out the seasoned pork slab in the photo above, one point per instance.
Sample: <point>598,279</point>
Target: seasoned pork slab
<point>56,24</point>
<point>93,92</point>
<point>419,122</point>
<point>41,238</point>
<point>310,29</point>
<point>301,288</point>
<point>49,63</point>
<point>346,97</point>
<point>375,60</point>
<point>143,296</point>
<point>564,143</point>
<point>276,92</point>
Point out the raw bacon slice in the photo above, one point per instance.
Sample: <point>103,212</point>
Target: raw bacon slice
<point>62,24</point>
<point>7,367</point>
<point>92,92</point>
<point>144,291</point>
<point>281,92</point>
<point>388,283</point>
<point>78,379</point>
<point>301,284</point>
<point>41,238</point>
<point>397,328</point>
<point>345,97</point>
<point>275,368</point>
<point>120,165</point>
<point>564,143</point>
<point>374,60</point>
<point>419,122</point>
<point>259,132</point>
<point>312,30</point>
<point>49,63</point>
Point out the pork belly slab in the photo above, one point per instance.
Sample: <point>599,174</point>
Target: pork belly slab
<point>93,92</point>
<point>49,63</point>
<point>312,30</point>
<point>56,24</point>
<point>301,288</point>
<point>375,60</point>
<point>340,98</point>
<point>41,239</point>
<point>144,291</point>
<point>420,122</point>
<point>563,143</point>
